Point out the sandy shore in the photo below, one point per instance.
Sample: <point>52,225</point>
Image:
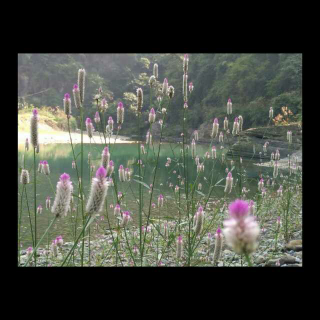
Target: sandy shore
<point>63,137</point>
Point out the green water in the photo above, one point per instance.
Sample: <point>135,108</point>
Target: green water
<point>59,157</point>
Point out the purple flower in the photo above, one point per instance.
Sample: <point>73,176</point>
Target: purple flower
<point>239,209</point>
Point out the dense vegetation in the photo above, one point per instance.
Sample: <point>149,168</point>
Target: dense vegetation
<point>254,82</point>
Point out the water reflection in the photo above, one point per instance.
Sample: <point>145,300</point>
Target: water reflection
<point>59,157</point>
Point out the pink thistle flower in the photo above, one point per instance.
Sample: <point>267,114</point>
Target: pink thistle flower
<point>160,200</point>
<point>229,183</point>
<point>122,176</point>
<point>39,209</point>
<point>110,168</point>
<point>62,200</point>
<point>34,136</point>
<point>67,104</point>
<point>179,247</point>
<point>152,116</point>
<point>45,167</point>
<point>76,96</point>
<point>97,117</point>
<point>98,192</point>
<point>89,126</point>
<point>215,128</point>
<point>191,87</point>
<point>218,246</point>
<point>120,113</point>
<point>126,217</point>
<point>59,241</point>
<point>241,230</point>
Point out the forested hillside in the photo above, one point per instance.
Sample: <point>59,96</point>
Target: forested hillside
<point>254,82</point>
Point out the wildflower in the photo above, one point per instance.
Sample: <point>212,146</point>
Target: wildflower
<point>185,106</point>
<point>214,152</point>
<point>272,156</point>
<point>235,129</point>
<point>215,128</point>
<point>176,189</point>
<point>45,167</point>
<point>98,192</point>
<point>81,83</point>
<point>126,217</point>
<point>289,136</point>
<point>251,207</point>
<point>48,203</point>
<point>149,138</point>
<point>191,87</point>
<point>139,99</point>
<point>110,168</point>
<point>223,157</point>
<point>241,230</point>
<point>165,86</point>
<point>265,147</point>
<point>76,96</point>
<point>39,209</point>
<point>171,92</point>
<point>152,116</point>
<point>225,123</point>
<point>279,222</point>
<point>193,148</point>
<point>218,246</point>
<point>117,210</point>
<point>67,104</point>
<point>105,157</point>
<point>160,200</point>
<point>104,105</point>
<point>62,200</point>
<point>185,63</point>
<point>229,106</point>
<point>164,110</point>
<point>128,174</point>
<point>240,123</point>
<point>229,183</point>
<point>59,241</point>
<point>152,81</point>
<point>29,252</point>
<point>122,176</point>
<point>155,70</point>
<point>120,113</point>
<point>240,160</point>
<point>159,98</point>
<point>185,87</point>
<point>198,221</point>
<point>270,113</point>
<point>260,184</point>
<point>199,186</point>
<point>34,128</point>
<point>275,170</point>
<point>196,135</point>
<point>231,163</point>
<point>143,151</point>
<point>97,117</point>
<point>89,126</point>
<point>263,192</point>
<point>54,248</point>
<point>73,165</point>
<point>221,137</point>
<point>24,178</point>
<point>277,155</point>
<point>179,247</point>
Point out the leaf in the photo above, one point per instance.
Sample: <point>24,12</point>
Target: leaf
<point>201,193</point>
<point>219,181</point>
<point>144,184</point>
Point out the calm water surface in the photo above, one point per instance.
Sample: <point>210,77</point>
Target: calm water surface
<point>59,157</point>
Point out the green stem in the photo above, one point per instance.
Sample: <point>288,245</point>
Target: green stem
<point>35,203</point>
<point>248,259</point>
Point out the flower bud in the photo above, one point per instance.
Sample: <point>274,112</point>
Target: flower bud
<point>139,99</point>
<point>76,96</point>
<point>122,177</point>
<point>67,104</point>
<point>149,138</point>
<point>34,128</point>
<point>225,123</point>
<point>152,81</point>
<point>271,113</point>
<point>240,123</point>
<point>193,148</point>
<point>126,217</point>
<point>155,70</point>
<point>165,87</point>
<point>185,63</point>
<point>229,106</point>
<point>218,246</point>
<point>198,221</point>
<point>214,152</point>
<point>171,92</point>
<point>89,126</point>
<point>229,183</point>
<point>24,178</point>
<point>160,200</point>
<point>48,203</point>
<point>221,137</point>
<point>179,247</point>
<point>97,117</point>
<point>128,174</point>
<point>45,167</point>
<point>110,168</point>
<point>191,87</point>
<point>215,128</point>
<point>81,83</point>
<point>120,113</point>
<point>152,116</point>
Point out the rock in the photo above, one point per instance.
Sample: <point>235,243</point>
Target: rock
<point>295,245</point>
<point>299,254</point>
<point>287,259</point>
<point>260,259</point>
<point>273,263</point>
<point>226,252</point>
